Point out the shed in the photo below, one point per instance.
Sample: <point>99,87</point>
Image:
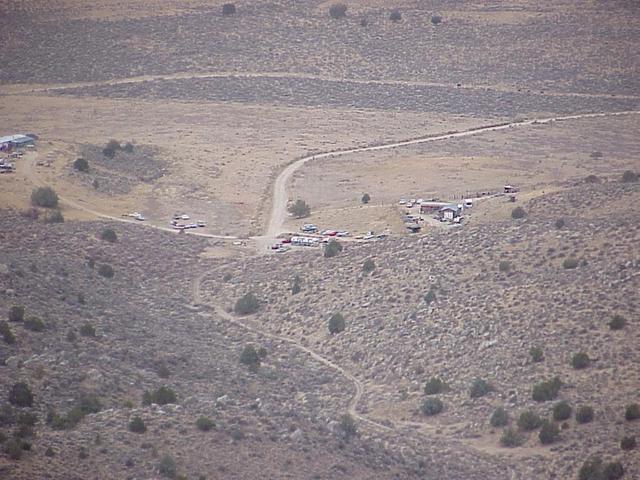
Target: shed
<point>510,189</point>
<point>15,141</point>
<point>429,207</point>
<point>450,212</point>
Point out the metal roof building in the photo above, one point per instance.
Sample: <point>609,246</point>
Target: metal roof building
<point>18,140</point>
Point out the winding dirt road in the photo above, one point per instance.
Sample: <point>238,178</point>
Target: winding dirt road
<point>281,197</point>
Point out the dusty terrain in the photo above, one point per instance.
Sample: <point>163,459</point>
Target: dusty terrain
<point>230,117</point>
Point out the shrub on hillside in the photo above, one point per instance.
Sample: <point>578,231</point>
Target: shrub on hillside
<point>570,263</point>
<point>299,209</point>
<point>228,9</point>
<point>436,19</point>
<point>89,403</point>
<point>479,388</point>
<point>504,266</point>
<point>395,15</point>
<point>7,335</point>
<point>562,411</point>
<point>44,197</point>
<point>629,177</point>
<point>499,417</point>
<point>628,443</point>
<point>137,425</point>
<point>162,396</point>
<point>81,165</point>
<point>584,414</point>
<point>87,330</point>
<point>109,235</point>
<point>106,271</point>
<point>128,147</point>
<point>537,355</point>
<point>296,285</point>
<point>348,426</point>
<point>20,395</point>
<point>13,448</point>
<point>434,386</point>
<point>431,406</point>
<point>167,467</point>
<point>332,248</point>
<point>592,179</point>
<point>250,357</point>
<point>111,148</point>
<point>366,198</point>
<point>547,390</point>
<point>247,304</point>
<point>560,223</point>
<point>617,322</point>
<point>632,412</point>
<point>549,432</point>
<point>511,438</point>
<point>336,323</point>
<point>34,324</point>
<point>16,313</point>
<point>338,10</point>
<point>368,266</point>
<point>205,424</point>
<point>594,469</point>
<point>580,360</point>
<point>430,296</point>
<point>518,212</point>
<point>54,216</point>
<point>529,420</point>
<point>613,471</point>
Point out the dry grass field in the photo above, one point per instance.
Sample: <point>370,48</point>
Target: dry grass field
<point>225,116</point>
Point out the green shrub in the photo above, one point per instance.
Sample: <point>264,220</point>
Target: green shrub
<point>205,424</point>
<point>592,179</point>
<point>250,357</point>
<point>228,9</point>
<point>295,286</point>
<point>570,263</point>
<point>632,412</point>
<point>430,296</point>
<point>87,330</point>
<point>162,396</point>
<point>629,177</point>
<point>504,266</point>
<point>549,432</point>
<point>628,443</point>
<point>436,19</point>
<point>44,197</point>
<point>163,371</point>
<point>511,438</point>
<point>395,15</point>
<point>336,323</point>
<point>109,235</point>
<point>348,426</point>
<point>479,388</point>
<point>562,411</point>
<point>338,10</point>
<point>529,420</point>
<point>617,322</point>
<point>580,360</point>
<point>332,248</point>
<point>54,216</point>
<point>136,425</point>
<point>13,448</point>
<point>547,390</point>
<point>431,406</point>
<point>518,213</point>
<point>299,209</point>
<point>20,395</point>
<point>111,148</point>
<point>584,414</point>
<point>16,313</point>
<point>7,335</point>
<point>499,417</point>
<point>49,452</point>
<point>89,404</point>
<point>27,419</point>
<point>128,147</point>
<point>106,271</point>
<point>366,198</point>
<point>368,266</point>
<point>81,165</point>
<point>434,386</point>
<point>560,224</point>
<point>247,304</point>
<point>613,471</point>
<point>34,324</point>
<point>537,355</point>
<point>167,467</point>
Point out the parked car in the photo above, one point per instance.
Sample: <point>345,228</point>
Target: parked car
<point>184,217</point>
<point>309,228</point>
<point>201,223</point>
<point>342,233</point>
<point>330,233</point>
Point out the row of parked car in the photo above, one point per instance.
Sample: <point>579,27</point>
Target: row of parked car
<point>175,222</point>
<point>311,228</point>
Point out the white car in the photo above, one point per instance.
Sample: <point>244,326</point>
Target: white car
<point>409,204</point>
<point>201,223</point>
<point>342,233</point>
<point>402,201</point>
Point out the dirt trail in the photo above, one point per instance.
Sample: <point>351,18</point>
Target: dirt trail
<point>15,89</point>
<point>280,196</point>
